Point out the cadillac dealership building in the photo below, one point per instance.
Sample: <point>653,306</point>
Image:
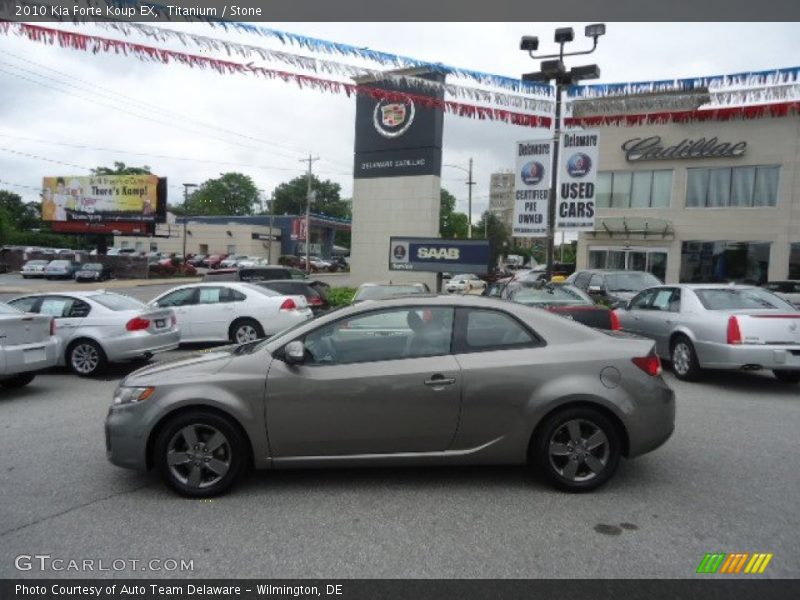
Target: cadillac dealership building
<point>699,202</point>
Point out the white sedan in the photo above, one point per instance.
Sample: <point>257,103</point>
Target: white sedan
<point>236,312</point>
<point>465,284</point>
<point>27,345</point>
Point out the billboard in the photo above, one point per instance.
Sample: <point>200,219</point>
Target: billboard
<point>104,199</point>
<point>577,175</point>
<point>111,228</point>
<point>534,160</point>
<point>438,256</point>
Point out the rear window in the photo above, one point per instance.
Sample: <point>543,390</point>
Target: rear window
<point>737,299</point>
<point>59,263</point>
<point>630,282</point>
<point>36,263</point>
<point>117,301</point>
<point>549,295</point>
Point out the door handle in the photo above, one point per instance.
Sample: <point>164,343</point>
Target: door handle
<point>438,380</point>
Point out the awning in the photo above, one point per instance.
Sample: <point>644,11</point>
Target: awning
<point>632,226</point>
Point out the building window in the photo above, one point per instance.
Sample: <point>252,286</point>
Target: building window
<point>634,189</point>
<point>231,249</point>
<point>724,262</point>
<point>732,187</point>
<point>794,261</point>
<point>652,260</point>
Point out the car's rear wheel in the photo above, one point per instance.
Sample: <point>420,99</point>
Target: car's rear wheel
<point>577,449</point>
<point>245,330</point>
<point>17,381</point>
<point>684,359</point>
<point>200,454</point>
<point>787,376</point>
<point>86,358</point>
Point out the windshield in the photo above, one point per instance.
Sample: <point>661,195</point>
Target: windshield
<point>36,262</point>
<point>92,267</point>
<point>378,292</point>
<point>59,263</point>
<point>5,309</point>
<point>735,299</point>
<point>117,301</point>
<point>549,295</point>
<point>630,282</point>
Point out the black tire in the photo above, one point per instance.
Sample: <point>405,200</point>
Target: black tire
<point>171,441</point>
<point>787,376</point>
<point>589,473</point>
<point>86,358</point>
<point>17,381</point>
<point>243,330</point>
<point>683,359</point>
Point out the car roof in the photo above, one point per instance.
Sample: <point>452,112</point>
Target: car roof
<point>390,283</point>
<point>77,293</point>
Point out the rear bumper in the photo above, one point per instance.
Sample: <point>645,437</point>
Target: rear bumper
<point>26,358</point>
<point>725,356</point>
<point>653,422</point>
<point>137,344</point>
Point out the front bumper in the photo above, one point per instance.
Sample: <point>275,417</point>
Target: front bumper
<point>728,356</point>
<point>140,343</point>
<point>126,444</point>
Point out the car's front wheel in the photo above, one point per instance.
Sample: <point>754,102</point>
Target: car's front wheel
<point>245,330</point>
<point>577,449</point>
<point>684,359</point>
<point>787,376</point>
<point>17,381</point>
<point>200,454</point>
<point>86,358</point>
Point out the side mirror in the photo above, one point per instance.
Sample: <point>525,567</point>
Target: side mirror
<point>295,353</point>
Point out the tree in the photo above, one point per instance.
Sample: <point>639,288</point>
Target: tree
<point>230,194</point>
<point>120,168</point>
<point>452,225</point>
<point>290,198</point>
<point>20,216</point>
<point>498,235</point>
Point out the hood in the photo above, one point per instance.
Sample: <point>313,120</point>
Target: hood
<point>206,363</point>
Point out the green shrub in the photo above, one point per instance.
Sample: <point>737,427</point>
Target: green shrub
<point>340,296</point>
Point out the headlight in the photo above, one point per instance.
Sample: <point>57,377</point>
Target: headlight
<point>127,395</point>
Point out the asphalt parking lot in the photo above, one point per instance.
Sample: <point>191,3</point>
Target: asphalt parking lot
<point>726,482</point>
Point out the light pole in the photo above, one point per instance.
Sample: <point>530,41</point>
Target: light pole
<point>186,187</point>
<point>309,199</point>
<point>554,70</point>
<point>470,183</point>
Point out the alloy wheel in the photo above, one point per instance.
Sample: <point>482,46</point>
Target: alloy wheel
<point>85,358</point>
<point>681,358</point>
<point>199,456</point>
<point>579,450</point>
<point>246,333</point>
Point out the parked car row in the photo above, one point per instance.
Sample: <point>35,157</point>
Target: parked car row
<point>65,269</point>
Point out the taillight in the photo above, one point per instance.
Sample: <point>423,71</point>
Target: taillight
<point>650,364</point>
<point>315,301</point>
<point>52,326</point>
<point>615,326</point>
<point>734,333</point>
<point>137,324</point>
<point>288,304</point>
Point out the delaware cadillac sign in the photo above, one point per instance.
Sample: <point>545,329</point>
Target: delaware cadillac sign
<point>652,148</point>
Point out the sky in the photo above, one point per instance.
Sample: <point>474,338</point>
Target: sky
<point>64,111</point>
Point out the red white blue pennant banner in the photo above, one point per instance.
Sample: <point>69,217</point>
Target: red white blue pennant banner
<point>95,44</point>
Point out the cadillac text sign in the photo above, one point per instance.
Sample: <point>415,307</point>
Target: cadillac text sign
<point>652,148</point>
<point>532,188</point>
<point>577,174</point>
<point>438,255</point>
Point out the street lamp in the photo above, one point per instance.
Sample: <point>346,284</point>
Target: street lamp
<point>554,70</point>
<point>470,183</point>
<point>186,187</point>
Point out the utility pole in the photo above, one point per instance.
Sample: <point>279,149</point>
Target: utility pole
<point>470,183</point>
<point>186,187</point>
<point>271,225</point>
<point>310,160</point>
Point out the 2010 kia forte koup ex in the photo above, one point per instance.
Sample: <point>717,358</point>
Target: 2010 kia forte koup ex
<point>424,380</point>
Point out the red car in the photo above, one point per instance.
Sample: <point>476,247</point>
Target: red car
<point>213,261</point>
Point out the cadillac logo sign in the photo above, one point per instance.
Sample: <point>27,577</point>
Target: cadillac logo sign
<point>392,118</point>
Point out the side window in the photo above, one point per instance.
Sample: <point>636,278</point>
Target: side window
<point>182,297</point>
<point>582,280</point>
<point>28,304</point>
<point>78,309</point>
<point>236,296</point>
<point>642,301</point>
<point>675,302</point>
<point>483,330</point>
<point>63,306</point>
<point>662,299</point>
<point>382,335</point>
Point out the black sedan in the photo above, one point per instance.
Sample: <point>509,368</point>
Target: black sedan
<point>93,272</point>
<point>567,301</point>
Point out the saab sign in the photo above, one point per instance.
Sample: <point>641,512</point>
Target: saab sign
<point>438,255</point>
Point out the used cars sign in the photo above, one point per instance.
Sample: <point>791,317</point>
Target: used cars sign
<point>437,255</point>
